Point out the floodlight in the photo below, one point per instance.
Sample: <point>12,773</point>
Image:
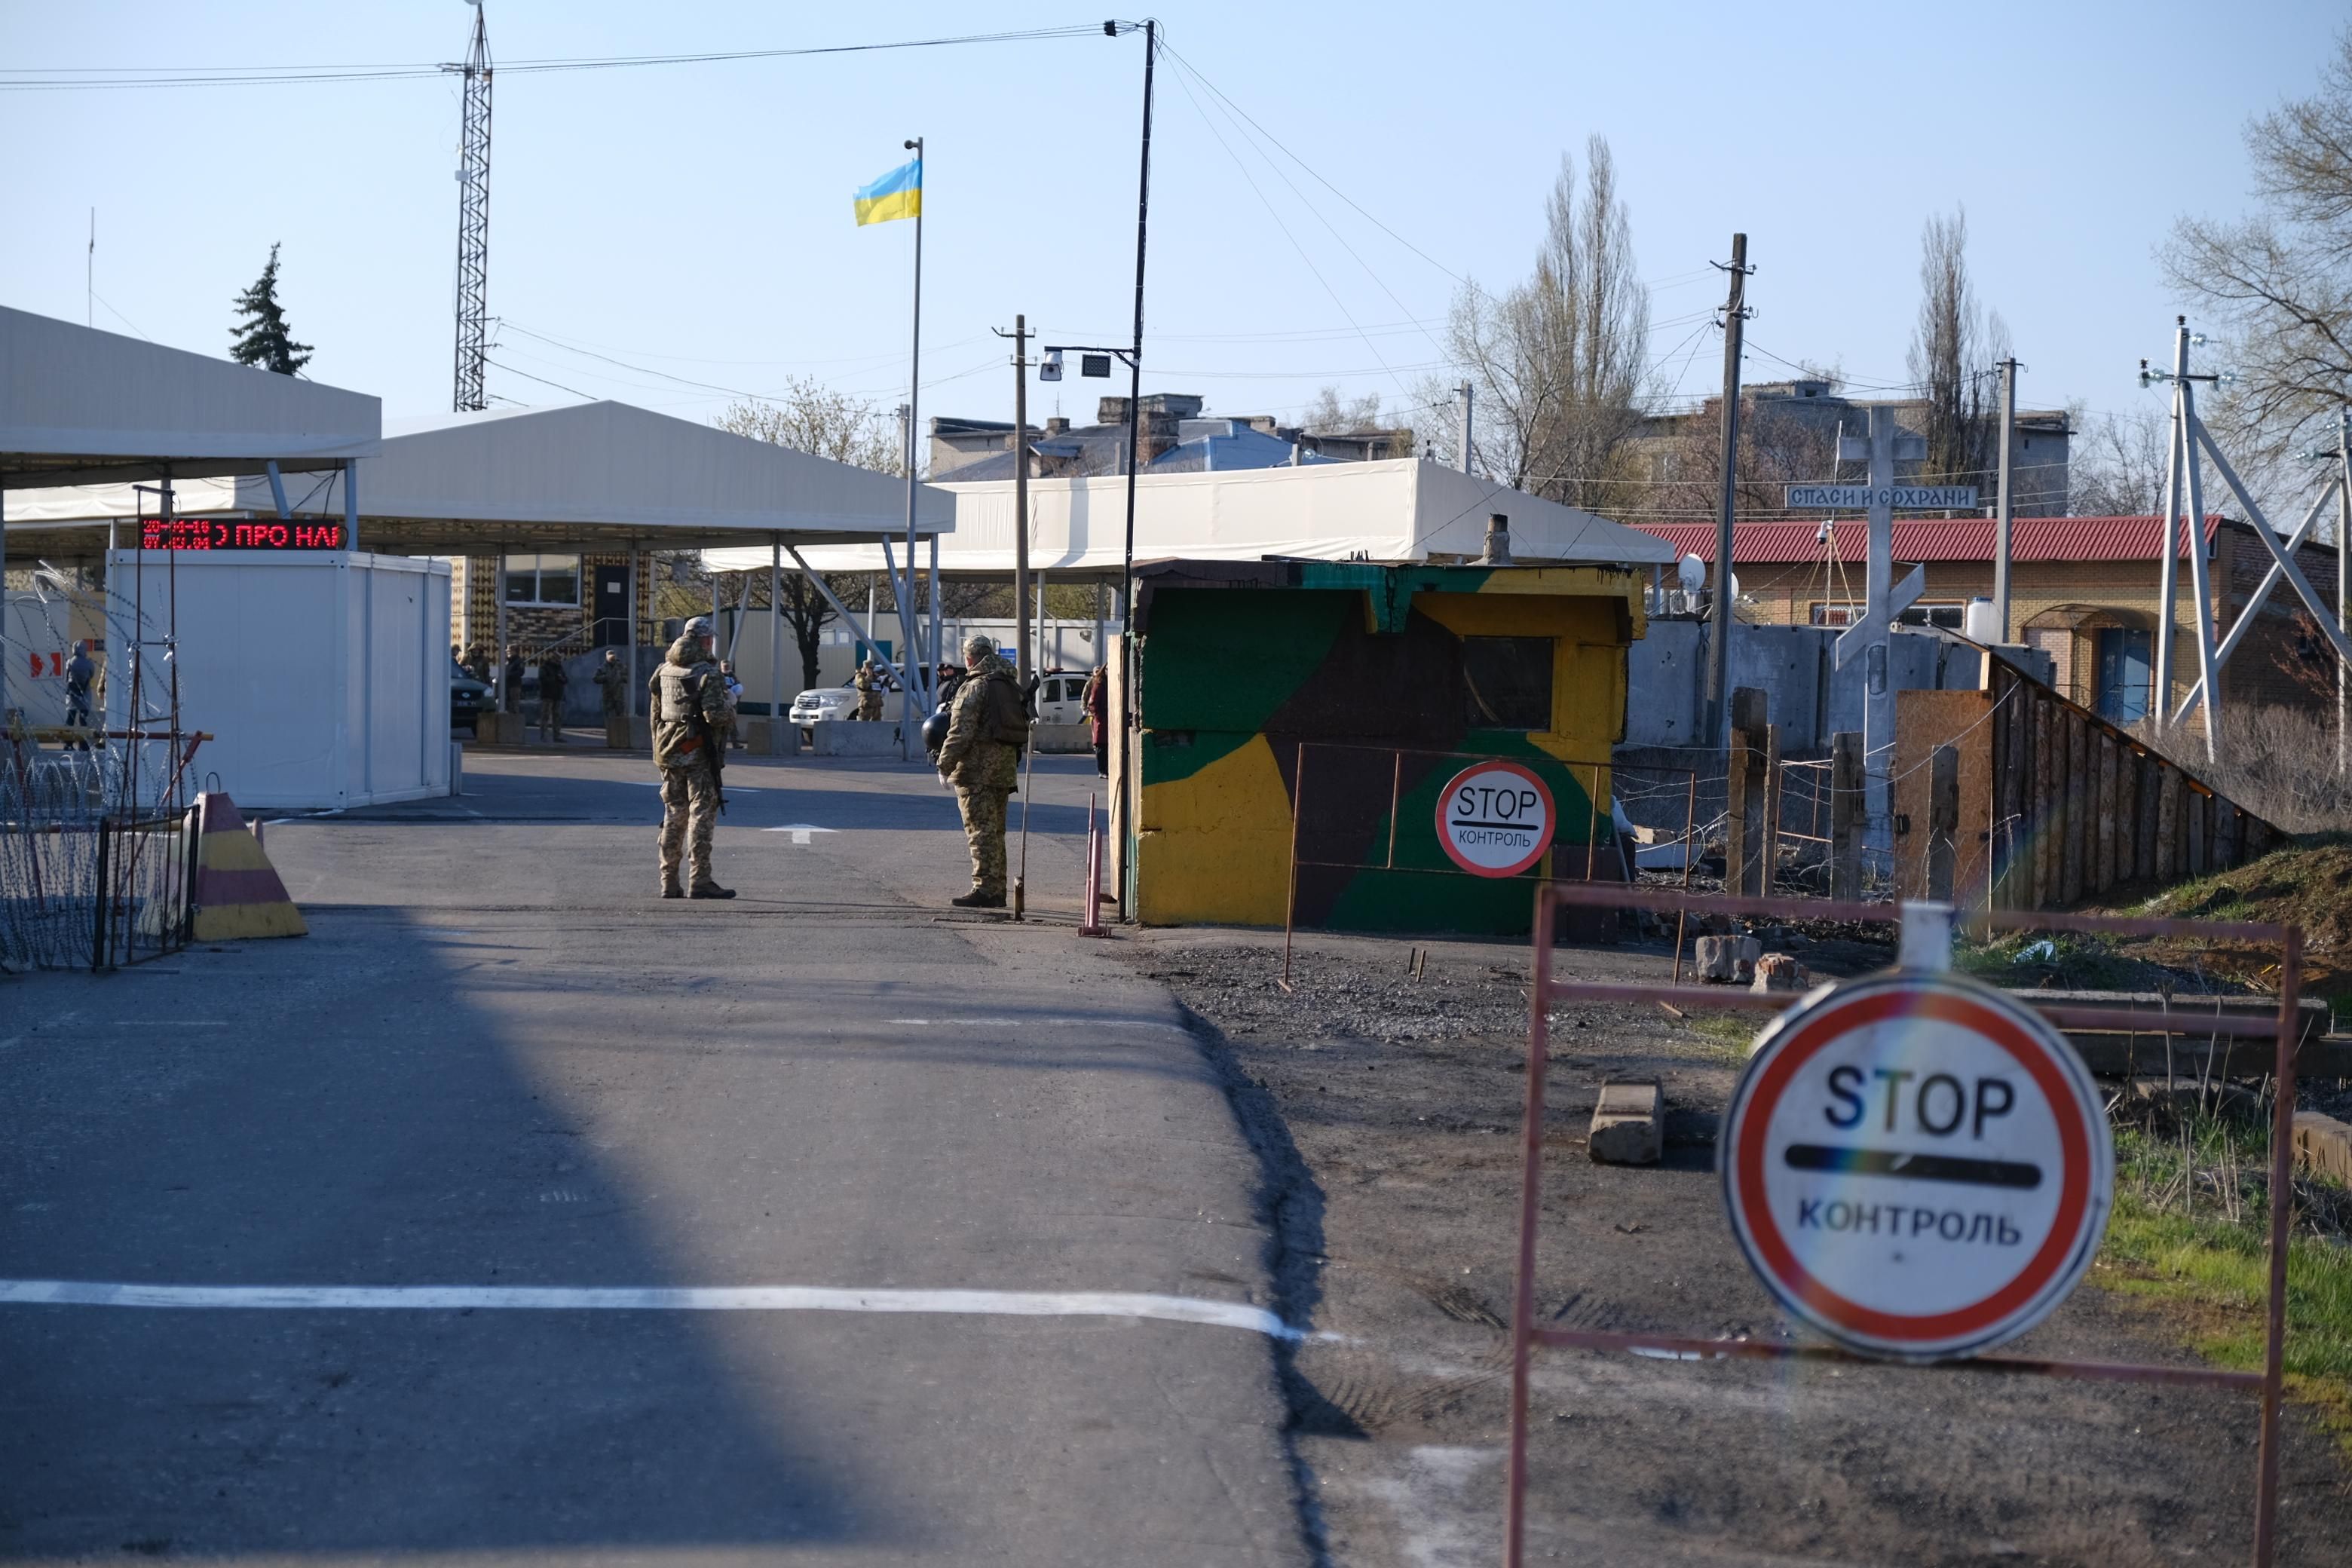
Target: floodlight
<point>1095,365</point>
<point>1049,368</point>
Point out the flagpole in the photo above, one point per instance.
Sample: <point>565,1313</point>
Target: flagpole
<point>919,687</point>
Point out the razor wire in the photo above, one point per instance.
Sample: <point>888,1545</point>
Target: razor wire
<point>93,840</point>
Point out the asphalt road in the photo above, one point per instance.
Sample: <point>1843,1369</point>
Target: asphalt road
<point>497,1060</point>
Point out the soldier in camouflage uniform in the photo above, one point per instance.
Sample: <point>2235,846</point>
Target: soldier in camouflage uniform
<point>981,760</point>
<point>690,711</point>
<point>612,680</point>
<point>868,682</point>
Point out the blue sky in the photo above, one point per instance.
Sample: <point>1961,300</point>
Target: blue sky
<point>695,219</point>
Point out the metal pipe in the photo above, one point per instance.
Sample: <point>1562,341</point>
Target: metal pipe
<point>1523,1294</point>
<point>2281,1198</point>
<point>1290,906</point>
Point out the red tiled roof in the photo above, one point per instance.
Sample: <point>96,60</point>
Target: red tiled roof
<point>1930,539</point>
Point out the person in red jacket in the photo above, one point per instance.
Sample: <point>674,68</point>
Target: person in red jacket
<point>1097,701</point>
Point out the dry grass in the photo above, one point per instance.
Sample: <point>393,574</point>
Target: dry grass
<point>2281,764</point>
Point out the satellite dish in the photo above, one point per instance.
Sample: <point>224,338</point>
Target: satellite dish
<point>1691,572</point>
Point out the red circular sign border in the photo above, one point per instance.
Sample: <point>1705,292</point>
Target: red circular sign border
<point>1551,817</point>
<point>1779,1261</point>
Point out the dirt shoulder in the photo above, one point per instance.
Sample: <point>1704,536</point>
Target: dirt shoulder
<point>1387,1110</point>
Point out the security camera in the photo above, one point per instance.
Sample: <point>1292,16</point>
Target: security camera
<point>1049,368</point>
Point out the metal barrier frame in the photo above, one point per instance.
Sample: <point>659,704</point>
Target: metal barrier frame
<point>114,935</point>
<point>1396,792</point>
<point>2284,1026</point>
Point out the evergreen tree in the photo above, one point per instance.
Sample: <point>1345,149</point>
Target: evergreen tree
<point>261,339</point>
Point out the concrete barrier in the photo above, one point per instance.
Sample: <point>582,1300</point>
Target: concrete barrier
<point>767,738</point>
<point>498,729</point>
<point>850,737</point>
<point>1063,740</point>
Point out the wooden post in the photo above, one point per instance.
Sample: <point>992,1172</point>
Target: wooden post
<point>1943,823</point>
<point>2076,807</point>
<point>2151,789</point>
<point>2199,803</point>
<point>1847,813</point>
<point>2103,876</point>
<point>2043,825</point>
<point>2225,836</point>
<point>2126,809</point>
<point>2167,825</point>
<point>1743,851</point>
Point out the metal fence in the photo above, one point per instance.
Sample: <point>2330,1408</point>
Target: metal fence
<point>82,887</point>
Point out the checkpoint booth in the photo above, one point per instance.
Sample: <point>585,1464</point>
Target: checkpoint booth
<point>1373,747</point>
<point>454,526</point>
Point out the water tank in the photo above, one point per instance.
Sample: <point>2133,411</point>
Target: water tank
<point>1981,623</point>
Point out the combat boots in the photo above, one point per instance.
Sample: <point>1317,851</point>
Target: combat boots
<point>976,900</point>
<point>709,891</point>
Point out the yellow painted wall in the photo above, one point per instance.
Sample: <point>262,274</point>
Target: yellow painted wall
<point>1215,847</point>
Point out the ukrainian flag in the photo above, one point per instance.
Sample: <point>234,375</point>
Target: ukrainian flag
<point>898,193</point>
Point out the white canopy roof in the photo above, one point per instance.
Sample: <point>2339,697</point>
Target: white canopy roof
<point>79,405</point>
<point>1404,510</point>
<point>586,475</point>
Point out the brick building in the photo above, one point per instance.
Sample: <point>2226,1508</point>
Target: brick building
<point>2082,589</point>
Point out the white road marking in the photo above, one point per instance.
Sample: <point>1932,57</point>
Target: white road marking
<point>1032,1022</point>
<point>799,830</point>
<point>649,1298</point>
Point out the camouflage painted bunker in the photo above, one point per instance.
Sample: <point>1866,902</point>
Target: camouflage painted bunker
<point>1343,687</point>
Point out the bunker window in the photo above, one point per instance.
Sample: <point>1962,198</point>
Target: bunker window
<point>1507,682</point>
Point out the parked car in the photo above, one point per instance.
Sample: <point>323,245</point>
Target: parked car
<point>467,697</point>
<point>1061,697</point>
<point>819,704</point>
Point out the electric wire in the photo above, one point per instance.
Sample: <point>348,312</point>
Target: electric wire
<point>122,77</point>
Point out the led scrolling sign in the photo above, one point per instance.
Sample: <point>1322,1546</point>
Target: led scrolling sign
<point>208,534</point>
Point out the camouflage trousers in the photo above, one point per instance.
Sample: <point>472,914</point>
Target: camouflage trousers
<point>869,707</point>
<point>689,816</point>
<point>983,828</point>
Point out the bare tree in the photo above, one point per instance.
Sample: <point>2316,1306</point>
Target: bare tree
<point>815,418</point>
<point>1953,353</point>
<point>2282,280</point>
<point>2116,467</point>
<point>1332,414</point>
<point>1557,361</point>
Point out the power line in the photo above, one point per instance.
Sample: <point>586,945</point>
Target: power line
<point>120,78</point>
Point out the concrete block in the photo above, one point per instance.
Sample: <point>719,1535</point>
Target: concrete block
<point>1729,960</point>
<point>498,729</point>
<point>1628,1125</point>
<point>618,732</point>
<point>1063,740</point>
<point>850,737</point>
<point>2323,1146</point>
<point>1778,972</point>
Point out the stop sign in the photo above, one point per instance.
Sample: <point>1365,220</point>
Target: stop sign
<point>1917,1165</point>
<point>1494,818</point>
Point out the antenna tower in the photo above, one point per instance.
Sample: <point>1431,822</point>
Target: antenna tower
<point>473,220</point>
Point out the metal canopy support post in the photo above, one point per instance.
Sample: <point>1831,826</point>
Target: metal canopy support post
<point>633,632</point>
<point>825,589</point>
<point>775,643</point>
<point>930,671</point>
<point>350,503</point>
<point>1886,442</point>
<point>277,490</point>
<point>7,656</point>
<point>910,657</point>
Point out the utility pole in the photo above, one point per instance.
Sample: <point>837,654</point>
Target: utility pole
<point>473,220</point>
<point>1465,391</point>
<point>1020,335</point>
<point>1719,664</point>
<point>2344,587</point>
<point>89,276</point>
<point>2004,509</point>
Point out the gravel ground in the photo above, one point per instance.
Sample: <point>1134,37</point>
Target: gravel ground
<point>1386,1109</point>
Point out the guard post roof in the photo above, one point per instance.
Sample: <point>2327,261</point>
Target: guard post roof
<point>79,406</point>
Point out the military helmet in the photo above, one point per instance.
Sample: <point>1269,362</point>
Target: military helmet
<point>977,647</point>
<point>700,627</point>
